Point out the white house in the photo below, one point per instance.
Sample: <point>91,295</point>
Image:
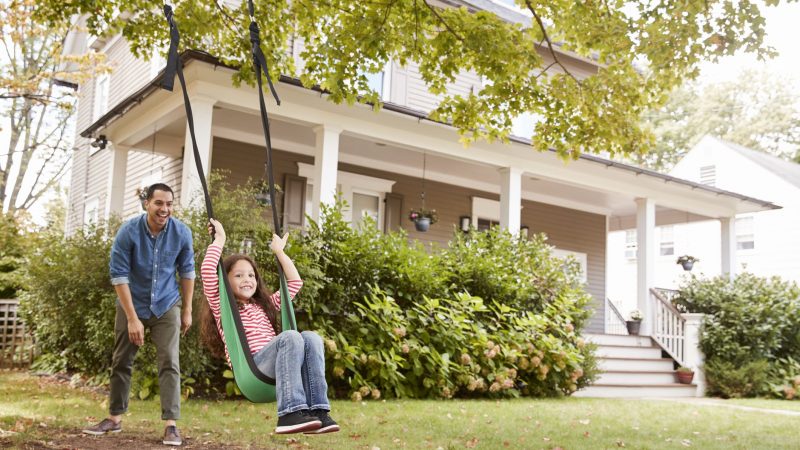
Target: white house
<point>376,160</point>
<point>767,243</point>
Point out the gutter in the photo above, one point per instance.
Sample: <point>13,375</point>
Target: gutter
<point>194,55</point>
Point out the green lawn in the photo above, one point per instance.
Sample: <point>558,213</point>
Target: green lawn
<point>39,409</point>
<point>765,403</point>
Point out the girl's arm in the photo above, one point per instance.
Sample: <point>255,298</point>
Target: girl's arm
<point>208,269</point>
<point>292,276</point>
<point>277,245</point>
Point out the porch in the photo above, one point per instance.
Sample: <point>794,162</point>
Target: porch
<point>382,161</point>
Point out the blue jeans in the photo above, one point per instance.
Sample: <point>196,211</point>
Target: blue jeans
<point>297,363</point>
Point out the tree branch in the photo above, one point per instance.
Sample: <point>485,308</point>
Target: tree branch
<point>549,42</point>
<point>441,20</point>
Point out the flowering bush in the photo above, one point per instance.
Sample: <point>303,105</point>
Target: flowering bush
<point>416,214</point>
<point>636,315</point>
<point>398,322</point>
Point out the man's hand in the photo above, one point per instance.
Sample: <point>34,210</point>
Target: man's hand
<point>136,331</point>
<point>186,321</point>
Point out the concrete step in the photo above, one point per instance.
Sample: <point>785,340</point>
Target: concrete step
<point>632,377</point>
<point>672,390</point>
<point>635,364</point>
<point>618,351</point>
<point>616,339</point>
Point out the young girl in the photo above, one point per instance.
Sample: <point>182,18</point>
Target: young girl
<point>295,360</point>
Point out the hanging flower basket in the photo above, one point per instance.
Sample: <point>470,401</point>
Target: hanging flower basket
<point>423,218</point>
<point>687,262</point>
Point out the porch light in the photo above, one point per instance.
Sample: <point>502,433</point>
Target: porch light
<point>100,142</point>
<point>524,231</point>
<point>464,223</point>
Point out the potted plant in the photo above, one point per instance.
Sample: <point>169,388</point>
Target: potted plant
<point>423,218</point>
<point>685,375</point>
<point>634,323</point>
<point>687,261</point>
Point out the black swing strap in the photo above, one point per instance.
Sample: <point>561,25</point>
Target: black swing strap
<point>175,65</point>
<point>260,65</point>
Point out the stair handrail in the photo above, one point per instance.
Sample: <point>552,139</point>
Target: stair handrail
<point>669,326</point>
<point>615,322</point>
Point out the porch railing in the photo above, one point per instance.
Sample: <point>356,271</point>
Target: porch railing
<point>615,323</point>
<point>17,348</point>
<point>669,330</point>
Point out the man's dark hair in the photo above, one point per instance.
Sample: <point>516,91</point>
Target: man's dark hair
<point>158,187</point>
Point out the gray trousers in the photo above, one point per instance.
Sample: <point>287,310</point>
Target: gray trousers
<point>165,332</point>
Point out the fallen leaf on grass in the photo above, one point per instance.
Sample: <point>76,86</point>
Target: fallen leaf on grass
<point>586,434</point>
<point>584,421</point>
<point>686,443</point>
<point>472,443</point>
<point>620,443</point>
<point>354,436</point>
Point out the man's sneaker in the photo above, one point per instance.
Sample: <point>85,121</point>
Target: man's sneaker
<point>172,436</point>
<point>105,426</point>
<point>328,424</point>
<point>297,422</point>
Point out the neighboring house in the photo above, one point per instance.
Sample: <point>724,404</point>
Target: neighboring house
<point>375,159</point>
<point>766,243</point>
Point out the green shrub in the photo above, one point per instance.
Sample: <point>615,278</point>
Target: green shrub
<point>69,302</point>
<point>415,322</point>
<point>11,257</point>
<point>729,380</point>
<point>752,328</point>
<point>449,347</point>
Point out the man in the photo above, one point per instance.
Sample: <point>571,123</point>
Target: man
<point>147,252</point>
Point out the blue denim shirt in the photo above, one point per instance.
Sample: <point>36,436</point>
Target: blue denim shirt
<point>148,264</point>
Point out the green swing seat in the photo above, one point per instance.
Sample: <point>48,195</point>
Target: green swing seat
<point>253,384</point>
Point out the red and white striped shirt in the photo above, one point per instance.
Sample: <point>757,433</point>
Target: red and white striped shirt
<point>257,326</point>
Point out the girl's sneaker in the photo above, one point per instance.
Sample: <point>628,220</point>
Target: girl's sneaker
<point>328,424</point>
<point>297,422</point>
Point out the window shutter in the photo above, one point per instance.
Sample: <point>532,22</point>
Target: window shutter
<point>393,212</point>
<point>294,201</point>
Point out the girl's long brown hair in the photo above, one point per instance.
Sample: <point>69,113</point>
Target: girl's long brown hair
<point>208,325</point>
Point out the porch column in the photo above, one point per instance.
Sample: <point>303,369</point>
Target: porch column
<point>510,198</point>
<point>191,189</point>
<point>326,163</point>
<point>118,167</point>
<point>645,260</point>
<point>728,241</point>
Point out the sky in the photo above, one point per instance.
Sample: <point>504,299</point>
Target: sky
<point>783,22</point>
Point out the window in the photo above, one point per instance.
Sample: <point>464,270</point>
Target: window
<point>486,224</point>
<point>364,195</point>
<point>485,213</point>
<point>365,205</point>
<point>745,234</point>
<point>708,175</point>
<point>580,257</point>
<point>630,244</point>
<point>381,82</point>
<point>100,96</point>
<point>667,244</point>
<point>91,211</point>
